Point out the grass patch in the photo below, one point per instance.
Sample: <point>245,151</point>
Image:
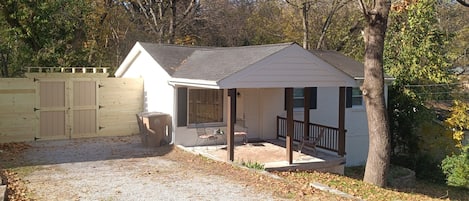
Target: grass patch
<point>253,165</point>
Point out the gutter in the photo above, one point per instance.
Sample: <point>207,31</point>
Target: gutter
<point>194,83</point>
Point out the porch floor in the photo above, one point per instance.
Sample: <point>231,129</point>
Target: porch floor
<point>272,153</point>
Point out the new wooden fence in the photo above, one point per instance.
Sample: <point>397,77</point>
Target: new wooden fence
<point>27,110</point>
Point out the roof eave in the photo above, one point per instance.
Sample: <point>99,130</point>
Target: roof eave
<point>129,59</point>
<point>210,84</point>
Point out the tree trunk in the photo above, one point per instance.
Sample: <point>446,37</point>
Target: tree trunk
<point>304,12</point>
<point>172,22</point>
<point>373,93</point>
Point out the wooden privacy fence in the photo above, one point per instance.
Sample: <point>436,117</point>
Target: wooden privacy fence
<point>63,107</point>
<point>330,140</point>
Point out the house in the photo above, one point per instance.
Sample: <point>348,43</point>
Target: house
<point>201,85</point>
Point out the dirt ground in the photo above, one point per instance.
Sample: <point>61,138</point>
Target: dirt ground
<point>120,168</point>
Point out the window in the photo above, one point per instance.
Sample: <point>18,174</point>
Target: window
<point>205,105</point>
<point>357,98</point>
<point>298,98</point>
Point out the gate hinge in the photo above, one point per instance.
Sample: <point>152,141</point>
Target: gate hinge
<point>100,85</point>
<point>100,106</point>
<point>36,109</point>
<point>101,127</point>
<point>36,138</point>
<point>35,79</point>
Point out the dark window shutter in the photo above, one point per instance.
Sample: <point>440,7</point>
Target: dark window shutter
<point>348,97</point>
<point>182,107</point>
<point>313,104</point>
<point>285,99</point>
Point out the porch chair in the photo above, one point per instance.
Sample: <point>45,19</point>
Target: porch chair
<point>311,142</point>
<point>240,129</point>
<point>203,135</point>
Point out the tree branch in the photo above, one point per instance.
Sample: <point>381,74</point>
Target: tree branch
<point>363,8</point>
<point>463,2</point>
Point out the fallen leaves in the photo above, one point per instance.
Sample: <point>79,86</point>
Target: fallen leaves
<point>16,190</point>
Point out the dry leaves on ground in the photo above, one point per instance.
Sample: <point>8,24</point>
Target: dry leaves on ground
<point>16,190</point>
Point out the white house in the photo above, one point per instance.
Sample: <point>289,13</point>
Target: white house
<point>192,84</point>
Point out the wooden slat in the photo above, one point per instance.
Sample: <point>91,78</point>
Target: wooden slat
<point>17,91</point>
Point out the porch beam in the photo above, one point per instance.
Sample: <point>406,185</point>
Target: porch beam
<point>341,122</point>
<point>230,121</point>
<point>307,105</point>
<point>289,137</point>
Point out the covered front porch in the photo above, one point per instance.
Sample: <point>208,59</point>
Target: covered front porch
<point>332,139</point>
<point>271,155</point>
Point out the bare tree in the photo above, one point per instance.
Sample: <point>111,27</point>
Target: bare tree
<point>336,6</point>
<point>376,16</point>
<point>463,2</point>
<point>161,17</point>
<point>304,6</point>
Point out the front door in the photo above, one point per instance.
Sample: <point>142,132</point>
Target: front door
<point>251,111</point>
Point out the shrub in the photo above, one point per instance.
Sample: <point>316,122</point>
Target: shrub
<point>456,169</point>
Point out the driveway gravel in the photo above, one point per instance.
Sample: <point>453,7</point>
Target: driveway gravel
<point>121,168</point>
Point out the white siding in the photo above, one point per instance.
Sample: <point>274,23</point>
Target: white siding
<point>159,96</point>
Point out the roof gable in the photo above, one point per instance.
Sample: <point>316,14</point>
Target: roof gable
<point>291,67</point>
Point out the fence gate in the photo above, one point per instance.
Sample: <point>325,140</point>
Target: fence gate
<point>84,108</point>
<point>67,109</point>
<point>53,109</point>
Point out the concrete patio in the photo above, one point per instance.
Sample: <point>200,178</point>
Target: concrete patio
<point>272,153</point>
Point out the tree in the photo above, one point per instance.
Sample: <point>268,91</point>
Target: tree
<point>463,2</point>
<point>304,6</point>
<point>43,33</point>
<point>376,17</point>
<point>336,6</point>
<point>161,18</point>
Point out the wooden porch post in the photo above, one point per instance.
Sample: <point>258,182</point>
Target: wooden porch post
<point>341,121</point>
<point>307,105</point>
<point>289,137</point>
<point>230,120</point>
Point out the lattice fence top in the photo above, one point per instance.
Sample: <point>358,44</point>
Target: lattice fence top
<point>66,70</point>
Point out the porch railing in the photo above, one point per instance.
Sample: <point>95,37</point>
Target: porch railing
<point>330,140</point>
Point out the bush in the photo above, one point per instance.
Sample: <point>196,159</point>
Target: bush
<point>456,169</point>
<point>426,167</point>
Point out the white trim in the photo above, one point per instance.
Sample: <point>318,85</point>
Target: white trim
<point>129,59</point>
<point>194,83</point>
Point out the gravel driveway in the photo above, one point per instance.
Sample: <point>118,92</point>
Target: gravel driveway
<point>120,168</point>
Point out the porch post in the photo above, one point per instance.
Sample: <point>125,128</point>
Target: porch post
<point>341,121</point>
<point>289,137</point>
<point>230,120</point>
<point>307,105</point>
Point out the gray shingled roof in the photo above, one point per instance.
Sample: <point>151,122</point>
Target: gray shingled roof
<point>168,56</point>
<point>218,63</point>
<point>208,63</point>
<point>342,62</point>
